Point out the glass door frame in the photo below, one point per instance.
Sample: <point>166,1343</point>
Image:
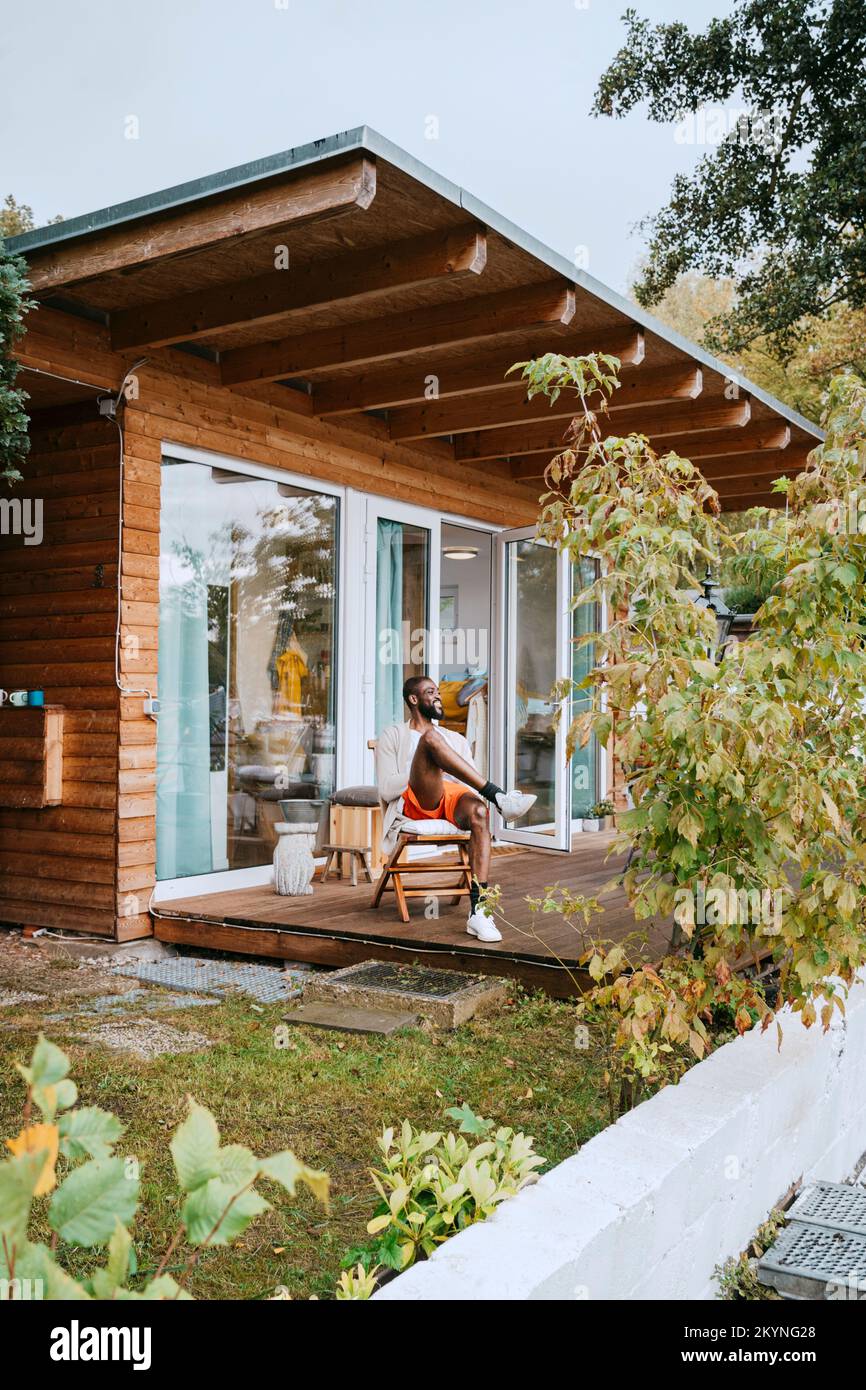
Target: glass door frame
<point>560,841</point>
<point>375,509</point>
<point>223,880</point>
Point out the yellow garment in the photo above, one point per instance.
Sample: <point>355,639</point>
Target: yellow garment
<point>454,716</point>
<point>291,668</point>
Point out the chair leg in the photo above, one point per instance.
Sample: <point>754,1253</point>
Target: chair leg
<point>354,858</point>
<point>387,870</point>
<point>365,860</point>
<point>399,894</point>
<point>327,869</point>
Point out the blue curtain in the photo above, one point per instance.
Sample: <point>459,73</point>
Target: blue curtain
<point>389,624</point>
<point>584,788</point>
<point>183,806</point>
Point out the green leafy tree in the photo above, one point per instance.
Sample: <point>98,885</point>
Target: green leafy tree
<point>14,304</point>
<point>801,378</point>
<point>747,775</point>
<point>778,203</point>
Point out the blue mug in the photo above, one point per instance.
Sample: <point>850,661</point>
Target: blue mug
<point>36,697</point>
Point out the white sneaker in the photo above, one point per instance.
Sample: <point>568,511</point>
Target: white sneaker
<point>480,924</point>
<point>513,805</point>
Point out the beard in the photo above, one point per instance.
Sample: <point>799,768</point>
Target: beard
<point>430,710</point>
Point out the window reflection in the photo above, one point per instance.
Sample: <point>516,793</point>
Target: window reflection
<point>246,663</point>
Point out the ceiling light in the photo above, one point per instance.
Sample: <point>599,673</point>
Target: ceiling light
<point>454,552</point>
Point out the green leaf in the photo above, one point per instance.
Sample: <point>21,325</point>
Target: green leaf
<point>195,1148</point>
<point>237,1165</point>
<point>216,1213</point>
<point>49,1064</point>
<point>470,1123</point>
<point>37,1262</point>
<point>91,1199</point>
<point>89,1131</point>
<point>287,1170</point>
<point>118,1255</point>
<point>18,1179</point>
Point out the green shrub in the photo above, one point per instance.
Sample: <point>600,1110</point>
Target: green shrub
<point>434,1185</point>
<point>94,1192</point>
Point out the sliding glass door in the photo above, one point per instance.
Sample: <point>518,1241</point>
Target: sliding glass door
<point>247,653</point>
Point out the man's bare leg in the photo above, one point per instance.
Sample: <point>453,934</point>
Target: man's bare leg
<point>471,814</point>
<point>433,757</point>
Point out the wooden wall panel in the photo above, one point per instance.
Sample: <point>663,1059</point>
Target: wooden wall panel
<point>57,623</point>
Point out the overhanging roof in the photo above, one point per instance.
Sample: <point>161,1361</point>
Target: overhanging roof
<point>409,198</point>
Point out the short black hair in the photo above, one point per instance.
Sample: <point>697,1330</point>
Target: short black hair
<point>410,686</point>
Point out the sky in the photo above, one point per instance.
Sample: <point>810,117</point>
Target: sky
<point>493,94</point>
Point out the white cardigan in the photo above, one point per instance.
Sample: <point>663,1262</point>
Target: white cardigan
<point>394,750</point>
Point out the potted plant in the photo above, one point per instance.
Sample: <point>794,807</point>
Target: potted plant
<point>598,816</point>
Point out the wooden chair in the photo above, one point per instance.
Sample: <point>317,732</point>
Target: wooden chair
<point>397,866</point>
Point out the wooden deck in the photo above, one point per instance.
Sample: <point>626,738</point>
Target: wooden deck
<point>335,926</point>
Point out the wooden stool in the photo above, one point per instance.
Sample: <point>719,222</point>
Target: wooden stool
<point>356,853</point>
<point>396,867</point>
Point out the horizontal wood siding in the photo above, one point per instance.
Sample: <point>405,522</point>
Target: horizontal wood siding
<point>57,622</point>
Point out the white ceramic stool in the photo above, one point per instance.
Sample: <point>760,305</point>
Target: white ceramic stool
<point>294,864</point>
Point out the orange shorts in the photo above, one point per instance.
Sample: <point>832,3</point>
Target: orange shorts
<point>444,811</point>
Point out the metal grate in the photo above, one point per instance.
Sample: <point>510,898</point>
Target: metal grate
<point>264,983</point>
<point>835,1204</point>
<point>806,1259</point>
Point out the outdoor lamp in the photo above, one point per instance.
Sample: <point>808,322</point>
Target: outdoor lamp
<point>712,599</point>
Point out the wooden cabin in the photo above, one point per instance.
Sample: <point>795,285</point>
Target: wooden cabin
<point>274,446</point>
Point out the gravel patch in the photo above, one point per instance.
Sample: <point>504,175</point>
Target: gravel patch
<point>144,1038</point>
<point>10,997</point>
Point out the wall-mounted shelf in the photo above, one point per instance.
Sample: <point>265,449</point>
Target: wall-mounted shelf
<point>31,756</point>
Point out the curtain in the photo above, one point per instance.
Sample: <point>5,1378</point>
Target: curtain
<point>183,804</point>
<point>583,760</point>
<point>389,623</point>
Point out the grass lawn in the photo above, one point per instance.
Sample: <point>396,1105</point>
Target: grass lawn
<point>326,1097</point>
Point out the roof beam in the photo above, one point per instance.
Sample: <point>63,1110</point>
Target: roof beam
<point>742,504</point>
<point>666,421</point>
<point>493,408</point>
<point>317,194</point>
<point>758,437</point>
<point>772,460</point>
<point>462,321</point>
<point>347,279</point>
<point>770,464</point>
<point>390,387</point>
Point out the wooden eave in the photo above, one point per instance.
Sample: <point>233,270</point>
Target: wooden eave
<point>403,303</point>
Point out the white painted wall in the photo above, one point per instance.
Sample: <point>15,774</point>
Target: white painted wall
<point>649,1207</point>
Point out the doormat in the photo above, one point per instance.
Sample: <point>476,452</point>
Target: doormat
<point>267,984</point>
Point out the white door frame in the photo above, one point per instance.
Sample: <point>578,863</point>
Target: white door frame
<point>560,840</point>
<point>223,880</point>
<point>376,508</point>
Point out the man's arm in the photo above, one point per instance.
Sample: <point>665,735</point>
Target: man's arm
<point>391,779</point>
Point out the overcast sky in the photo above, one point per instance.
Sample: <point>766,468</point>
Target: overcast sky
<point>212,83</point>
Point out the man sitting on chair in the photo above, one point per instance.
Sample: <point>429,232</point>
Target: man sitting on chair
<point>426,773</point>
